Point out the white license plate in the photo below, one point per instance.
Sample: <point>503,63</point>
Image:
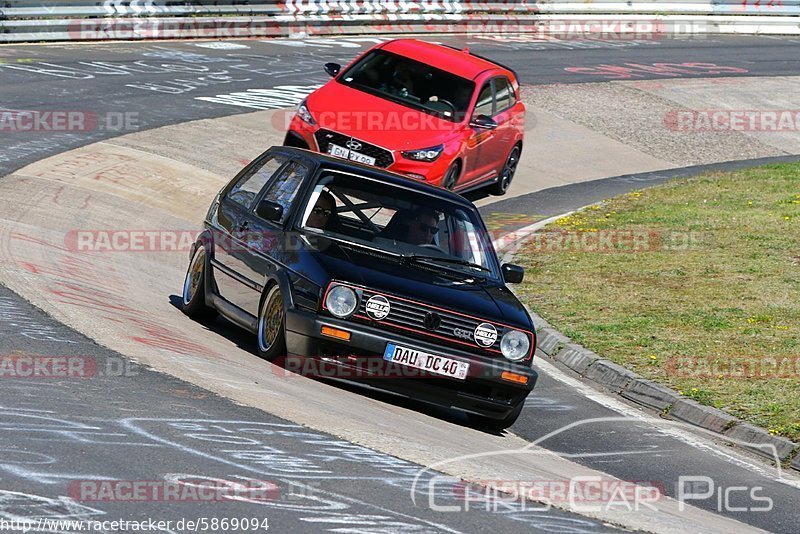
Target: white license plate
<point>427,362</point>
<point>346,153</point>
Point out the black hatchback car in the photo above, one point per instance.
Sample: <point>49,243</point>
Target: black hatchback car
<point>358,274</point>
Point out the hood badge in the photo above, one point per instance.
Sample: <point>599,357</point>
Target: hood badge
<point>432,321</point>
<point>378,307</point>
<point>352,144</point>
<point>485,335</point>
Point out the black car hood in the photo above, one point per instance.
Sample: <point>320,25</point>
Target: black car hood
<point>490,300</point>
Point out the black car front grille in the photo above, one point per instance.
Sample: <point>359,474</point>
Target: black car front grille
<point>383,157</point>
<point>409,317</point>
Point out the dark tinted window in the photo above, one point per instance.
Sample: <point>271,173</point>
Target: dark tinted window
<point>411,83</point>
<point>286,186</point>
<point>250,185</point>
<point>399,221</point>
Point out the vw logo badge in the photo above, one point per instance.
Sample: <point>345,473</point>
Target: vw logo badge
<point>432,320</point>
<point>352,144</point>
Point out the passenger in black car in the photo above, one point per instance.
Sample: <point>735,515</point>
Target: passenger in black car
<point>323,214</point>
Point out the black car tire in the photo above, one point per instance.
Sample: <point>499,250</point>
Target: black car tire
<point>272,326</point>
<point>497,424</point>
<point>507,173</point>
<point>193,297</point>
<point>451,177</point>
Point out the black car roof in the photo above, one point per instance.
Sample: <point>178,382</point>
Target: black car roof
<point>339,164</point>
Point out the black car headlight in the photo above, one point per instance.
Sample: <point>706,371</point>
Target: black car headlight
<point>341,301</point>
<point>515,345</point>
<point>304,114</point>
<point>426,154</point>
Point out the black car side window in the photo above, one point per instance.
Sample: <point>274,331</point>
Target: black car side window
<point>485,103</point>
<point>284,190</point>
<point>250,185</point>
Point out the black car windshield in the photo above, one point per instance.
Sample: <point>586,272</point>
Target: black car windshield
<point>411,83</point>
<point>421,228</point>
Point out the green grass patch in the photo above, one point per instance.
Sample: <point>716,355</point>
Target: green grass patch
<point>695,284</point>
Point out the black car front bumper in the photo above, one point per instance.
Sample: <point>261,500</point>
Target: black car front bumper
<point>360,361</point>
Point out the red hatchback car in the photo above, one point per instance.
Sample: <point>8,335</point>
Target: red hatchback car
<point>430,112</point>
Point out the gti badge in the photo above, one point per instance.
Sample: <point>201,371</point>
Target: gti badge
<point>378,307</point>
<point>485,335</point>
<point>352,144</point>
<point>462,333</point>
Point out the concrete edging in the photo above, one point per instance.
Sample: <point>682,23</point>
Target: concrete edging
<point>654,396</point>
<point>647,393</point>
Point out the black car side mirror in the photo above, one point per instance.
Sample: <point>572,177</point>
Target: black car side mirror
<point>513,274</point>
<point>269,211</point>
<point>332,68</point>
<point>484,122</point>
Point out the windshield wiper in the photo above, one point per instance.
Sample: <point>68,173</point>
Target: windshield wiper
<point>457,261</point>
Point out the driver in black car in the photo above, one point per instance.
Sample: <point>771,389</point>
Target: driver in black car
<point>416,227</point>
<point>422,227</point>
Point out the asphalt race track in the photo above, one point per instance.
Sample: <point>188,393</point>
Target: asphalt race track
<point>127,422</point>
<point>161,81</point>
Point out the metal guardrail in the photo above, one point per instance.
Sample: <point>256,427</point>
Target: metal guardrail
<point>68,20</point>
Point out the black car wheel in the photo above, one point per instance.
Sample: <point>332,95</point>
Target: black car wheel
<point>450,177</point>
<point>497,424</point>
<point>271,325</point>
<point>507,174</point>
<point>194,287</point>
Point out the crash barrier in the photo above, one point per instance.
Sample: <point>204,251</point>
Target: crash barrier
<point>68,20</point>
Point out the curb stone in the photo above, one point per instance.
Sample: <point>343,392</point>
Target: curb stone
<point>576,357</point>
<point>651,394</point>
<point>755,439</point>
<point>693,412</point>
<point>647,393</point>
<point>550,340</point>
<point>609,374</point>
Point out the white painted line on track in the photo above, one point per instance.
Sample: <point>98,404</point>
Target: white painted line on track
<point>674,429</point>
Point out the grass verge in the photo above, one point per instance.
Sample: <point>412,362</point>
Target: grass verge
<point>694,284</point>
